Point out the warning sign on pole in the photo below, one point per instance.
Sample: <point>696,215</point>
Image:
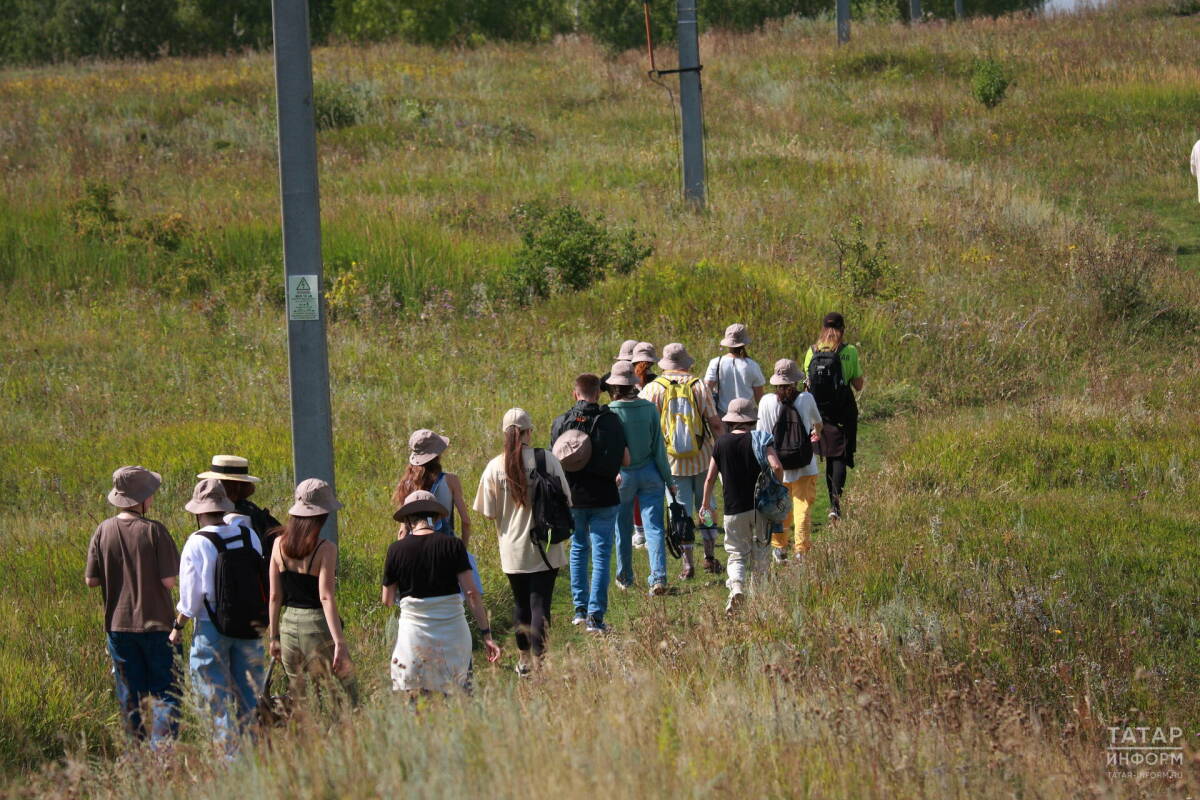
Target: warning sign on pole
<point>303,301</point>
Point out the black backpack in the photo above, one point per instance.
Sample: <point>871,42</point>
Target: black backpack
<point>792,444</point>
<point>239,609</point>
<point>552,520</point>
<point>825,380</point>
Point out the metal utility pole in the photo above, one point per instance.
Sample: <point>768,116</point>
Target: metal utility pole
<point>914,8</point>
<point>843,20</point>
<point>308,356</point>
<point>690,110</point>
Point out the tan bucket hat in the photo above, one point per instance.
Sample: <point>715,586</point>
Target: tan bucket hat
<point>229,468</point>
<point>314,497</point>
<point>424,446</point>
<point>626,351</point>
<point>209,498</point>
<point>741,409</point>
<point>736,336</point>
<point>786,373</point>
<point>622,374</point>
<point>518,418</point>
<point>645,351</point>
<point>420,503</point>
<point>675,357</point>
<point>133,486</point>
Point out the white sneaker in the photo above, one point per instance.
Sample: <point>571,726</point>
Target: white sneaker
<point>779,554</point>
<point>639,538</point>
<point>736,598</point>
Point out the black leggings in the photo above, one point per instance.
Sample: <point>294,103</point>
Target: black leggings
<point>532,593</point>
<point>835,479</point>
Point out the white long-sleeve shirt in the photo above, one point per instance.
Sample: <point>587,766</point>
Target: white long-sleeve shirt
<point>198,567</point>
<point>1195,164</point>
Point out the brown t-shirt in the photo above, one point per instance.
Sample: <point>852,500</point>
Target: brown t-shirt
<point>130,557</point>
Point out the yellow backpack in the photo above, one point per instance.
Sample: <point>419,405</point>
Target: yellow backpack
<point>682,425</point>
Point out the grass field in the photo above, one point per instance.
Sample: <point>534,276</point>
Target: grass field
<point>1018,567</point>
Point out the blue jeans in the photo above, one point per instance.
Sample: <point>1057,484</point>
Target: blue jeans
<point>144,667</point>
<point>646,485</point>
<point>227,674</point>
<point>691,491</point>
<point>594,536</point>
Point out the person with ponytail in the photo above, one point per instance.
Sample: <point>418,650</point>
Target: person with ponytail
<point>505,495</point>
<point>801,480</point>
<point>834,376</point>
<point>305,629</point>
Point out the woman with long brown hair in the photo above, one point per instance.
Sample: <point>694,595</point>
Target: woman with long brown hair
<point>305,629</point>
<point>834,375</point>
<point>506,496</point>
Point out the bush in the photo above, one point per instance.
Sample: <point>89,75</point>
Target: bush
<point>341,105</point>
<point>989,82</point>
<point>864,269</point>
<point>563,250</point>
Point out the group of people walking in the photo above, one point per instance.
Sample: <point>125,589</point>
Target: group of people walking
<point>661,443</point>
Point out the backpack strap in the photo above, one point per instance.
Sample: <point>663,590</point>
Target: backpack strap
<point>539,461</point>
<point>216,540</point>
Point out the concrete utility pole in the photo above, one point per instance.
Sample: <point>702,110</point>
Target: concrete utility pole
<point>690,110</point>
<point>308,356</point>
<point>959,13</point>
<point>843,20</point>
<point>914,8</point>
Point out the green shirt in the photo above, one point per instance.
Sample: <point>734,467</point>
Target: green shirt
<point>643,435</point>
<point>851,369</point>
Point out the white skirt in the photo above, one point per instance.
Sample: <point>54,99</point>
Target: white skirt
<point>433,646</point>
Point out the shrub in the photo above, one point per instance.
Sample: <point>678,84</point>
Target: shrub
<point>864,269</point>
<point>989,82</point>
<point>341,105</point>
<point>563,250</point>
<point>96,213</point>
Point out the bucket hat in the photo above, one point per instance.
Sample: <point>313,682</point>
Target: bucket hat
<point>834,320</point>
<point>626,351</point>
<point>786,372</point>
<point>675,357</point>
<point>736,336</point>
<point>741,409</point>
<point>622,374</point>
<point>314,497</point>
<point>424,446</point>
<point>420,503</point>
<point>645,351</point>
<point>229,468</point>
<point>209,498</point>
<point>133,486</point>
<point>518,418</point>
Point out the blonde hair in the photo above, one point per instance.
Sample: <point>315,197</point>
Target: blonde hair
<point>830,338</point>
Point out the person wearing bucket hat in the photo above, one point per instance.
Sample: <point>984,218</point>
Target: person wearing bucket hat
<point>738,458</point>
<point>226,659</point>
<point>133,560</point>
<point>589,442</point>
<point>689,422</point>
<point>643,479</point>
<point>643,359</point>
<point>734,374</point>
<point>305,630</point>
<point>505,495</point>
<point>429,575</point>
<point>790,415</point>
<point>234,474</point>
<point>834,376</point>
<point>624,354</point>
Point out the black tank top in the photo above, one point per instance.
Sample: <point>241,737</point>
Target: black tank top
<point>299,588</point>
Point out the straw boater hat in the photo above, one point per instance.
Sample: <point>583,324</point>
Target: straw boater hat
<point>229,468</point>
<point>741,409</point>
<point>133,486</point>
<point>424,446</point>
<point>644,352</point>
<point>786,373</point>
<point>420,504</point>
<point>314,497</point>
<point>209,498</point>
<point>736,336</point>
<point>675,357</point>
<point>622,374</point>
<point>516,418</point>
<point>626,351</point>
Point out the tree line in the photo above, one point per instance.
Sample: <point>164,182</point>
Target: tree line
<point>44,31</point>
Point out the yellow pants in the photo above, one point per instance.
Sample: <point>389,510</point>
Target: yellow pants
<point>804,494</point>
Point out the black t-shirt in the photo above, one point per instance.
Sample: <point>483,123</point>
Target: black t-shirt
<point>595,486</point>
<point>734,454</point>
<point>425,565</point>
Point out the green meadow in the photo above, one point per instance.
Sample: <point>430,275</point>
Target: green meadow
<point>1017,569</point>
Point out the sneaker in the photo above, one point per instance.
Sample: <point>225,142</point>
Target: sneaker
<point>523,669</point>
<point>580,617</point>
<point>622,585</point>
<point>834,516</point>
<point>736,598</point>
<point>779,554</point>
<point>596,626</point>
<point>639,539</point>
<point>712,565</point>
<point>687,572</point>
<point>658,590</point>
